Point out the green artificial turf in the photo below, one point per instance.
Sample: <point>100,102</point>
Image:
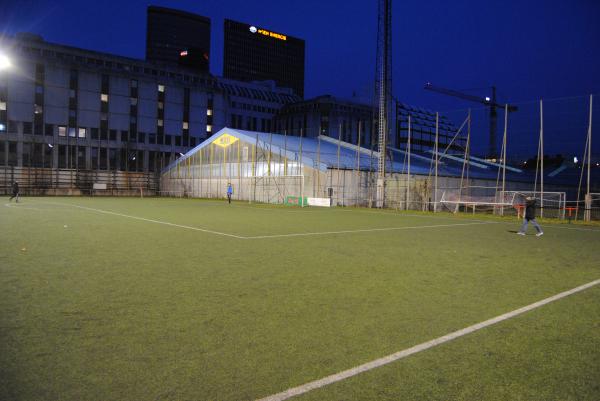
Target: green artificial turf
<point>100,306</point>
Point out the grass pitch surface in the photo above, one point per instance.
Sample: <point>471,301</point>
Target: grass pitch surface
<point>168,299</point>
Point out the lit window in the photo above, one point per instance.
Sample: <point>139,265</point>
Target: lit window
<point>209,112</point>
<point>160,123</point>
<point>186,125</point>
<point>2,127</point>
<point>82,132</point>
<point>62,130</point>
<point>209,128</point>
<point>72,132</point>
<point>37,109</point>
<point>161,88</point>
<point>2,105</point>
<point>104,97</point>
<point>134,101</point>
<point>161,105</point>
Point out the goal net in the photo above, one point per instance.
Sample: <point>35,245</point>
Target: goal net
<point>476,199</point>
<point>274,189</point>
<point>550,204</point>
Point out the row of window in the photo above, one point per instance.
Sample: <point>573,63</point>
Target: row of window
<point>77,157</point>
<point>102,134</point>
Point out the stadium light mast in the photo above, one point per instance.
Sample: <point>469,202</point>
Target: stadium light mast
<point>383,88</point>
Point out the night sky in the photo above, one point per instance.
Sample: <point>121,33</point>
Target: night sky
<point>528,49</point>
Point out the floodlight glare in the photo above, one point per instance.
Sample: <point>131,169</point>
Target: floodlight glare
<point>4,62</point>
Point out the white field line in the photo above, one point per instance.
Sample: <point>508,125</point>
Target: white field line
<point>21,207</point>
<point>365,230</point>
<point>292,392</point>
<point>153,221</point>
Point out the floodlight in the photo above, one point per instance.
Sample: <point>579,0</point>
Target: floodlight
<point>4,62</point>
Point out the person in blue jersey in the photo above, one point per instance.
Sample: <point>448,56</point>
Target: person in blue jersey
<point>530,217</point>
<point>229,192</point>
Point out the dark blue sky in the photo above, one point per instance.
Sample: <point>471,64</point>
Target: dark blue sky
<point>529,49</point>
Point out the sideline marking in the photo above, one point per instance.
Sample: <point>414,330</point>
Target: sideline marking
<point>364,230</point>
<point>151,221</point>
<point>292,392</point>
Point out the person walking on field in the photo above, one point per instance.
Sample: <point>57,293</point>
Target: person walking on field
<point>15,192</point>
<point>229,192</point>
<point>530,217</point>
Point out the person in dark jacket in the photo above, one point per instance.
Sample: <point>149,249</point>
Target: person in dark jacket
<point>15,191</point>
<point>530,217</point>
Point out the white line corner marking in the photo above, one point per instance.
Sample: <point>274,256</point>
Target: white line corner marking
<point>292,392</point>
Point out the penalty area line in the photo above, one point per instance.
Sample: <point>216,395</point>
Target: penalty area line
<point>366,230</point>
<point>292,392</point>
<point>153,221</point>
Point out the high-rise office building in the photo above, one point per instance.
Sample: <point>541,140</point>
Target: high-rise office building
<point>176,37</point>
<point>253,53</point>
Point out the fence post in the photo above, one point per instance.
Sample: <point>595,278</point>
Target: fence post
<point>588,208</point>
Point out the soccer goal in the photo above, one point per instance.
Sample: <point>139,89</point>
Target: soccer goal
<point>455,200</point>
<point>275,189</point>
<point>551,204</point>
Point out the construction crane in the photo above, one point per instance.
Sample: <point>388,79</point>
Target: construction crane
<point>489,101</point>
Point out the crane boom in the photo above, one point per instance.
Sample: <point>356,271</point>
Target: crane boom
<point>489,101</point>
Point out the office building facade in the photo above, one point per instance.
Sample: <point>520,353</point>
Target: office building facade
<point>178,38</point>
<point>253,53</point>
<point>352,121</point>
<point>68,108</point>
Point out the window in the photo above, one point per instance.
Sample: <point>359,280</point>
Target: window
<point>72,93</point>
<point>94,133</point>
<point>160,123</point>
<point>2,105</point>
<point>186,125</point>
<point>2,127</point>
<point>134,101</point>
<point>161,105</point>
<point>209,112</point>
<point>37,109</point>
<point>167,139</point>
<point>27,128</point>
<point>82,132</point>
<point>209,128</point>
<point>161,88</point>
<point>72,132</point>
<point>134,83</point>
<point>104,97</point>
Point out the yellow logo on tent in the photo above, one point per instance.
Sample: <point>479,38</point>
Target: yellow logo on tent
<point>225,140</point>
